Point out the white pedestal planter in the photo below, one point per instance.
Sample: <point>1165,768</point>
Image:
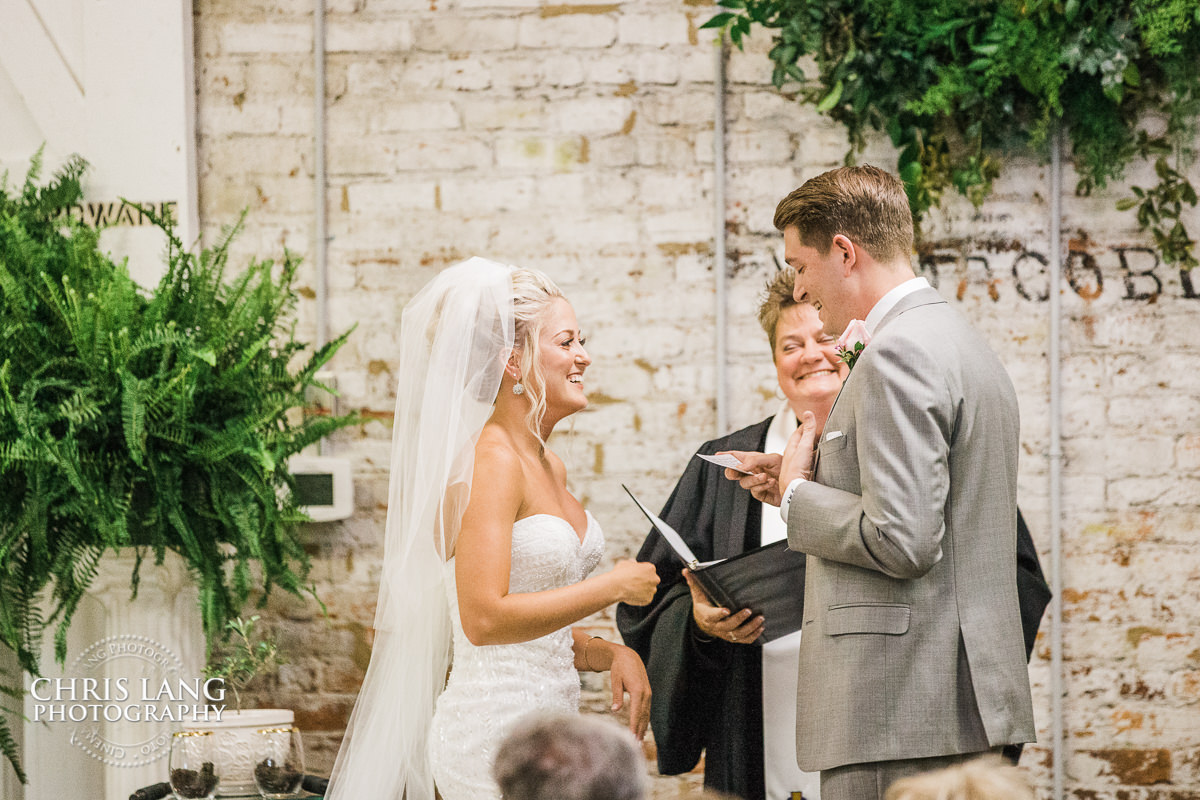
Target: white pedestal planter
<point>156,637</point>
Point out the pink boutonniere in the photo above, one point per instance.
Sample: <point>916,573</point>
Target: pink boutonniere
<point>852,341</point>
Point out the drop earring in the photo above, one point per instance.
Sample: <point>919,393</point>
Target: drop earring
<point>518,388</point>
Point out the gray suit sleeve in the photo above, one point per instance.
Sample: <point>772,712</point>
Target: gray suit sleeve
<point>903,417</point>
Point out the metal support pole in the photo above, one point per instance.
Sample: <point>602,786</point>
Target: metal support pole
<point>1056,457</point>
<point>720,269</point>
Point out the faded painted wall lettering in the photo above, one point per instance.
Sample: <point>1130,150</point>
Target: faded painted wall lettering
<point>1134,273</point>
<point>119,212</point>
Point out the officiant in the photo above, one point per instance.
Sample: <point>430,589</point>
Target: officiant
<point>718,691</point>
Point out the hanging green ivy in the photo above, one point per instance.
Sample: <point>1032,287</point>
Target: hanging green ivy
<point>958,83</point>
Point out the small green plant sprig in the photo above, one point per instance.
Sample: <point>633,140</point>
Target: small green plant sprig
<point>245,654</point>
<point>956,84</point>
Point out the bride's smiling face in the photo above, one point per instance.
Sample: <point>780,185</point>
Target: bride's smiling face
<point>562,359</point>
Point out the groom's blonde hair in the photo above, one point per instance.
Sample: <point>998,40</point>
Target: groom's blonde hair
<point>864,203</point>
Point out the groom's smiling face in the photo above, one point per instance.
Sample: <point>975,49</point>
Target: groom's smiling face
<point>819,279</point>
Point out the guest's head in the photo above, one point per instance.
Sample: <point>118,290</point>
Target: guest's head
<point>548,358</point>
<point>569,757</point>
<point>807,365</point>
<point>987,778</point>
<point>849,235</point>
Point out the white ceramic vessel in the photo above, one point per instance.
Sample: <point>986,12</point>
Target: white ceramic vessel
<point>236,745</point>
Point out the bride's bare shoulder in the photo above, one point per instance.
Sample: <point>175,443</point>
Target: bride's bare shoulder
<point>496,447</point>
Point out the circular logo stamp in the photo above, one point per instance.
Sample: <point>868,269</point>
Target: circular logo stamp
<point>123,696</point>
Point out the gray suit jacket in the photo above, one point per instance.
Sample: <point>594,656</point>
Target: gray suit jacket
<point>912,630</point>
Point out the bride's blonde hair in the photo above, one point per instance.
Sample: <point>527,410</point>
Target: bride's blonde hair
<point>533,291</point>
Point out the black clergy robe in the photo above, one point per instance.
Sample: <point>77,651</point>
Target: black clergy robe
<point>707,695</point>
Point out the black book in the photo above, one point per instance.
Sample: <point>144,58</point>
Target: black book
<point>768,580</point>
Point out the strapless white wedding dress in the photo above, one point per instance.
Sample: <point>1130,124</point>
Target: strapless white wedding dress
<point>493,686</point>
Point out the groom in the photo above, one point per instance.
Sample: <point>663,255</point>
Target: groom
<point>912,653</point>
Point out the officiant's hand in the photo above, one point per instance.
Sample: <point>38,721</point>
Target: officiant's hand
<point>721,623</point>
<point>763,482</point>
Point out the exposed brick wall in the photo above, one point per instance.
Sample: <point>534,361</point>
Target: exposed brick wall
<point>579,139</point>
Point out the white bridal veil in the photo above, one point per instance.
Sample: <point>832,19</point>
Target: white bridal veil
<point>455,336</point>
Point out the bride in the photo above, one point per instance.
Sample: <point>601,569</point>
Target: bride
<point>484,547</point>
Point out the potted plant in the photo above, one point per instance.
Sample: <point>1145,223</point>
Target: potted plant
<point>158,419</point>
<point>245,655</point>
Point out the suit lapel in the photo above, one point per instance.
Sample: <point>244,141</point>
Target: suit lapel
<point>921,297</point>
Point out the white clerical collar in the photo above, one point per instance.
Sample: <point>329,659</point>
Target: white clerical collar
<point>889,301</point>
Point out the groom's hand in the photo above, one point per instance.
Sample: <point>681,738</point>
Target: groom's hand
<point>763,482</point>
<point>798,455</point>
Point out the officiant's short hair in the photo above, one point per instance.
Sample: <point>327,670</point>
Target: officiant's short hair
<point>777,297</point>
<point>569,757</point>
<point>865,203</point>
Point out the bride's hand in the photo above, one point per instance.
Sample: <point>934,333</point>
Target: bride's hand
<point>635,581</point>
<point>628,675</point>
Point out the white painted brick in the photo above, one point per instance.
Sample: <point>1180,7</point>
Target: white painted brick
<point>567,32</point>
<point>441,151</point>
<point>749,68</point>
<point>697,66</point>
<point>748,147</point>
<point>364,77</point>
<point>416,117</point>
<point>476,197</point>
<point>606,67</point>
<point>279,37</point>
<point>386,198</point>
<point>512,74</point>
<point>421,74</point>
<point>489,4</point>
<point>770,106</point>
<point>379,35</point>
<point>597,116</point>
<point>598,229</point>
<point>673,149</point>
<point>545,152</point>
<point>562,71</point>
<point>654,30</point>
<point>696,107</point>
<point>1137,492</point>
<point>587,191</point>
<point>1187,453</point>
<point>615,151</point>
<point>363,155</point>
<point>249,119</point>
<point>679,226</point>
<point>457,35</point>
<point>685,190</point>
<point>297,119</point>
<point>284,76</point>
<point>467,74</point>
<point>1170,413</point>
<point>506,114</point>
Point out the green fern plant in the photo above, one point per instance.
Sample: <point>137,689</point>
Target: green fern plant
<point>159,419</point>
